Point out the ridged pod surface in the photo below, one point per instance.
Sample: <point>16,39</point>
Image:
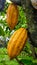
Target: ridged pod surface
<point>12,16</point>
<point>17,42</point>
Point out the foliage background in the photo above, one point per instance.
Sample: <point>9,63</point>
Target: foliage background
<point>26,56</point>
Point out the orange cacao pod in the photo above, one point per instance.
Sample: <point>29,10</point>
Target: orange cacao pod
<point>12,15</point>
<point>17,42</point>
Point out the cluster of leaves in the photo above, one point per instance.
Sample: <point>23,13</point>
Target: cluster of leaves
<point>4,59</point>
<point>22,22</point>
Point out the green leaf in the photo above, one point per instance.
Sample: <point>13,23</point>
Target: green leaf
<point>1,31</point>
<point>28,62</point>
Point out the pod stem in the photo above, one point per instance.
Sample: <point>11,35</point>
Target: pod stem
<point>19,61</point>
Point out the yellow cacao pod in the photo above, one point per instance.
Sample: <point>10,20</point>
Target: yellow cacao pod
<point>17,42</point>
<point>12,16</point>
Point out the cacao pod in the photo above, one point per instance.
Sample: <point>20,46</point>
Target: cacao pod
<point>17,42</point>
<point>12,16</point>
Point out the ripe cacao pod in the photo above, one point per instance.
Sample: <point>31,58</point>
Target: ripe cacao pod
<point>12,16</point>
<point>17,42</point>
